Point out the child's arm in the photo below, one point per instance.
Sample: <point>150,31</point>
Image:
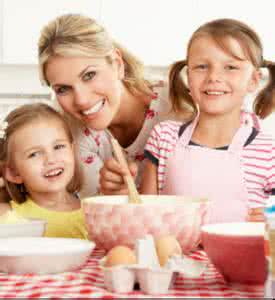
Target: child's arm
<point>149,182</point>
<point>256,215</point>
<point>4,208</point>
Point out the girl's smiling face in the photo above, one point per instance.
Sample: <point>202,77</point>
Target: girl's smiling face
<point>219,81</point>
<point>42,157</point>
<point>89,89</point>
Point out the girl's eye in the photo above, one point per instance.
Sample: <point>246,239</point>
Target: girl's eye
<point>61,90</point>
<point>89,75</point>
<point>59,146</point>
<point>231,67</point>
<point>201,67</point>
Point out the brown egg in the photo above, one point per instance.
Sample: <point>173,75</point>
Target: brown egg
<point>120,255</point>
<point>166,247</point>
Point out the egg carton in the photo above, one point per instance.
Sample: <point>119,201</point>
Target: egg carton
<point>152,281</point>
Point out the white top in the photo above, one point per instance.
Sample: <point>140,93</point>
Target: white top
<point>95,147</point>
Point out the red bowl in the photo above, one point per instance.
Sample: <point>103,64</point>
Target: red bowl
<point>237,251</point>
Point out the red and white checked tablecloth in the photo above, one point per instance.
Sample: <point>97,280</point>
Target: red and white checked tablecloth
<point>87,282</point>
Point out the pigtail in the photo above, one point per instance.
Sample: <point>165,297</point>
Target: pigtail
<point>179,92</point>
<point>134,79</point>
<point>264,103</point>
<point>4,194</point>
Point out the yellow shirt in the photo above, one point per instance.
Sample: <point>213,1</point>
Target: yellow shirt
<point>67,224</point>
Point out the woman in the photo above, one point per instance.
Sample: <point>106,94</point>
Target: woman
<point>102,88</point>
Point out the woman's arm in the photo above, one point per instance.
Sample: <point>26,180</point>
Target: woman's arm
<point>149,181</point>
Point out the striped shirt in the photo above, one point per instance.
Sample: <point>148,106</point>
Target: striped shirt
<point>258,156</point>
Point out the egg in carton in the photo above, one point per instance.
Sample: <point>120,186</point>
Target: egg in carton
<point>153,265</point>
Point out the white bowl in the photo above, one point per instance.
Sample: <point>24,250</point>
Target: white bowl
<point>31,228</point>
<point>43,255</point>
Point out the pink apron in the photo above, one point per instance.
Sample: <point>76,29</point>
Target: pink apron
<point>210,173</point>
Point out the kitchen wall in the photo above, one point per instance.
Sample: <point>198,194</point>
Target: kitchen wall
<point>157,31</point>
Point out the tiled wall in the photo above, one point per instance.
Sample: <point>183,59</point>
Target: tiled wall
<point>20,84</point>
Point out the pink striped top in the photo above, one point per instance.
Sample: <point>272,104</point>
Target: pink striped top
<point>258,159</point>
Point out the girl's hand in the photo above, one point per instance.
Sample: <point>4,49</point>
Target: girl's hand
<point>256,215</point>
<point>111,177</point>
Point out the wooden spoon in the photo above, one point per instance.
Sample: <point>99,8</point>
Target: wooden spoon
<point>133,194</point>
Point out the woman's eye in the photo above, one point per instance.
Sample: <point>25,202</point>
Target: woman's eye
<point>61,90</point>
<point>33,154</point>
<point>59,146</point>
<point>89,75</point>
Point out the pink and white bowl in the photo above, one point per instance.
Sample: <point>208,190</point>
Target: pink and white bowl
<point>237,250</point>
<point>112,221</point>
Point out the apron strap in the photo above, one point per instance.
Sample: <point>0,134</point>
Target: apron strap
<point>188,132</point>
<point>237,143</point>
<point>240,137</point>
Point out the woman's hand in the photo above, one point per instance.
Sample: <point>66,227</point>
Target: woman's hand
<point>256,215</point>
<point>111,177</point>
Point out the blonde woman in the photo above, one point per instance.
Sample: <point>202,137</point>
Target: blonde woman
<point>102,88</point>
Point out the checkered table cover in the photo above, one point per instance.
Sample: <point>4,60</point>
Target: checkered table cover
<point>87,282</point>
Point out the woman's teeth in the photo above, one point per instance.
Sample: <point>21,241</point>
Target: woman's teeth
<point>55,172</point>
<point>215,92</point>
<point>95,108</point>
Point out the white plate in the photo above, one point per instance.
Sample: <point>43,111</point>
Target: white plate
<point>43,255</point>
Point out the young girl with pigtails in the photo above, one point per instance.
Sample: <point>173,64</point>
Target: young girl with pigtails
<point>40,174</point>
<point>221,153</point>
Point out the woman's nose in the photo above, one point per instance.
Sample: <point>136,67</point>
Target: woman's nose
<point>81,97</point>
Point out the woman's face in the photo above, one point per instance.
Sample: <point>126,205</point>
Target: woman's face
<point>89,89</point>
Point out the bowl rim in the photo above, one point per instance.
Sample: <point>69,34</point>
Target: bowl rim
<point>81,246</point>
<point>112,199</point>
<point>28,222</point>
<point>227,230</point>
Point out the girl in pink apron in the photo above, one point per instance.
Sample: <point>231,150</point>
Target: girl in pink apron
<point>221,154</point>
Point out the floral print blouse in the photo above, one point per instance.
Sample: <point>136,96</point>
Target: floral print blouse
<point>95,148</point>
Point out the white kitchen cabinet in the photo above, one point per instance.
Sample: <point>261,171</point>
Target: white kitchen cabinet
<point>23,20</point>
<point>257,14</point>
<point>1,31</point>
<point>155,31</point>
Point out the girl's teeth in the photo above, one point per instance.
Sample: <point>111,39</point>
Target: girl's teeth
<point>94,109</point>
<point>54,173</point>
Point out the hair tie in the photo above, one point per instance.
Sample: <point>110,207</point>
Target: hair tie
<point>3,127</point>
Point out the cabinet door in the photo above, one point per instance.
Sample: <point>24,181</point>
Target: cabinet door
<point>155,31</point>
<point>257,14</point>
<point>23,21</point>
<point>1,31</point>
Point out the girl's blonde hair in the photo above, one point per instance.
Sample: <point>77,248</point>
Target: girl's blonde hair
<point>74,35</point>
<point>219,30</point>
<point>17,119</point>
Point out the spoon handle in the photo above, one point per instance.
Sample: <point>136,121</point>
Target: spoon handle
<point>133,194</point>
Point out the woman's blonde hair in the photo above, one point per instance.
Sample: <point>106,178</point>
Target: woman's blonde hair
<point>219,30</point>
<point>74,35</point>
<point>17,119</point>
